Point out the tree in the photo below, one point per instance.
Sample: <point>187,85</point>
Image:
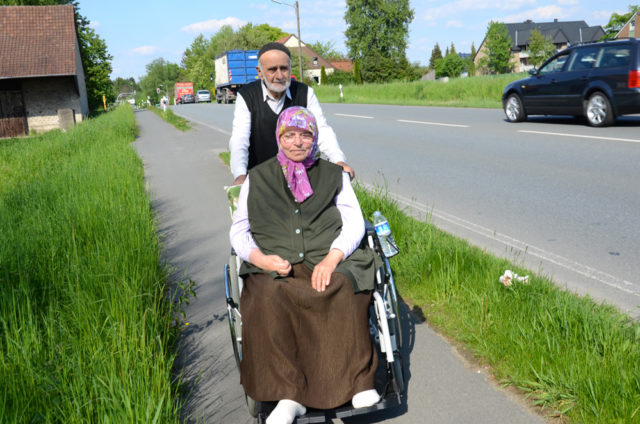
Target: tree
<point>616,22</point>
<point>540,48</point>
<point>160,74</point>
<point>122,85</point>
<point>326,50</point>
<point>471,65</point>
<point>97,68</point>
<point>436,54</point>
<point>357,75</point>
<point>498,49</point>
<point>96,60</point>
<point>451,66</point>
<point>253,37</point>
<point>198,63</point>
<point>379,30</point>
<point>453,48</point>
<point>323,76</point>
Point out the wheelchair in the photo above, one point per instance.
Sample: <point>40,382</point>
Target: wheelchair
<point>384,326</point>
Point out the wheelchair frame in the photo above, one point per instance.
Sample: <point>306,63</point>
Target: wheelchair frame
<point>384,326</point>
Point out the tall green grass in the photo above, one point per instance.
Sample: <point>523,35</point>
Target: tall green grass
<point>85,325</point>
<point>479,91</point>
<point>573,357</point>
<point>177,121</point>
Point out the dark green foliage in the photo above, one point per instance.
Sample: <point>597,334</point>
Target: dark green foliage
<point>377,34</point>
<point>357,74</point>
<point>340,77</point>
<point>436,54</point>
<point>323,75</point>
<point>451,66</point>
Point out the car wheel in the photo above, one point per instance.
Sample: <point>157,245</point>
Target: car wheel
<point>598,110</point>
<point>513,109</point>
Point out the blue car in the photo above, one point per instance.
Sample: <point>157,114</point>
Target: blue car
<point>599,81</point>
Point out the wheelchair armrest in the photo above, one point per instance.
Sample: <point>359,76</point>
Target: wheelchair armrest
<point>369,229</point>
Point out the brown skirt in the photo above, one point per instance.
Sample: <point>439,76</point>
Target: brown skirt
<point>300,344</point>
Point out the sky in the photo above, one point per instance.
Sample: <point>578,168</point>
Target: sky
<point>139,31</point>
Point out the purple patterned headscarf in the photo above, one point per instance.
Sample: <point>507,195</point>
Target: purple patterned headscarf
<point>296,172</point>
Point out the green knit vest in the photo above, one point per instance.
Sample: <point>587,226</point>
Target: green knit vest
<point>302,232</point>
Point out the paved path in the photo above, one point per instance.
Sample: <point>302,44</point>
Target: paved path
<point>185,179</point>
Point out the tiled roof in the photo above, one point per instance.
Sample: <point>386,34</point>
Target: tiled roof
<point>37,41</point>
<point>343,65</point>
<point>307,52</point>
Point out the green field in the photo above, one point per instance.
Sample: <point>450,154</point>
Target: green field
<point>480,91</point>
<point>86,327</point>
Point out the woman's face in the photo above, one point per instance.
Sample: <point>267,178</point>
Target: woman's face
<point>296,143</point>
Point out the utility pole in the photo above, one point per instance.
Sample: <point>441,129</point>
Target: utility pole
<point>297,8</point>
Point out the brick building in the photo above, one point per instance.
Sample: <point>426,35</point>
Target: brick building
<point>42,83</point>
<point>632,28</point>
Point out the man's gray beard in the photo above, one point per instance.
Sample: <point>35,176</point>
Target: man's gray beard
<point>277,88</point>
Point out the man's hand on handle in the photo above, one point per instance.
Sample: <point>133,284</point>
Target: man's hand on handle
<point>348,169</point>
<point>239,180</point>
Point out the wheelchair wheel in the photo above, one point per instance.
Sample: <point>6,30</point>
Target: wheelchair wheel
<point>233,277</point>
<point>397,371</point>
<point>235,321</point>
<point>252,405</point>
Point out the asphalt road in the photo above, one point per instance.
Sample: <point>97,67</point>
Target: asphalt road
<point>551,193</point>
<point>185,179</point>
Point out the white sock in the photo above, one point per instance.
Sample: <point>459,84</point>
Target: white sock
<point>366,398</point>
<point>285,412</point>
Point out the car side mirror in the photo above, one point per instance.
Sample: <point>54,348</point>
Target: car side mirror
<point>533,71</point>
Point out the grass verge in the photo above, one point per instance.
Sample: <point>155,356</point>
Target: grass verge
<point>170,117</point>
<point>574,358</point>
<point>479,91</point>
<point>85,325</point>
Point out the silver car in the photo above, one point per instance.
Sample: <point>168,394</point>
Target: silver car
<point>203,96</point>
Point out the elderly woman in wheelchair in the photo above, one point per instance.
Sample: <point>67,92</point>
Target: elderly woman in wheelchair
<point>308,280</point>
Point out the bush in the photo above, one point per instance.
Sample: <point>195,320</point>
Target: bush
<point>340,77</point>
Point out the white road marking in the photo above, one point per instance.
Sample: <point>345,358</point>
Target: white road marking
<point>225,132</point>
<point>433,123</point>
<point>354,116</point>
<point>630,140</point>
<point>581,269</point>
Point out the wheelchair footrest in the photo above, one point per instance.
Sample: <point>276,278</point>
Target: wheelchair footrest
<point>391,400</point>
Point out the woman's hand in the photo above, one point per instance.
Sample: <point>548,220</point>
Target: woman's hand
<point>321,276</point>
<point>270,262</point>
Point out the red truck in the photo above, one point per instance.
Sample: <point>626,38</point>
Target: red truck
<point>181,89</point>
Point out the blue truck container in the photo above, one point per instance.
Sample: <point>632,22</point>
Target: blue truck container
<point>234,68</point>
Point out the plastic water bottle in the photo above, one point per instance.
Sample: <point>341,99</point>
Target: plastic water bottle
<point>389,247</point>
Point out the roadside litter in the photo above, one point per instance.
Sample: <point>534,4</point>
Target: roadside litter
<point>509,277</point>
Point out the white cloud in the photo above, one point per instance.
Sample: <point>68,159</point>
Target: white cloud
<point>94,24</point>
<point>212,25</point>
<point>454,24</point>
<point>144,50</point>
<point>540,14</point>
<point>567,2</point>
